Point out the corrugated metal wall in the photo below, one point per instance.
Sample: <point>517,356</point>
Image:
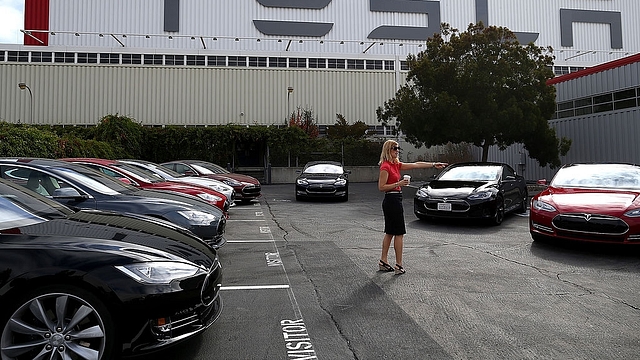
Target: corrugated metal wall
<point>601,137</point>
<point>162,95</point>
<point>606,137</point>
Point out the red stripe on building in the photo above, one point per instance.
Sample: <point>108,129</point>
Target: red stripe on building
<point>595,69</point>
<point>36,17</point>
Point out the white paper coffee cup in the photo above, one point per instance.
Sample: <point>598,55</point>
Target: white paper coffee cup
<point>407,177</point>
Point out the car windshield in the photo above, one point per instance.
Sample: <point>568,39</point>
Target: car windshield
<point>96,181</point>
<point>209,168</point>
<point>323,169</point>
<point>605,176</point>
<point>162,171</point>
<point>472,173</point>
<point>21,207</point>
<point>140,172</point>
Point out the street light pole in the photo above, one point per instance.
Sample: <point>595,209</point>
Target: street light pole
<point>289,91</point>
<point>23,86</point>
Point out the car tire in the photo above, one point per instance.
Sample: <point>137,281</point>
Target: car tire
<point>523,205</point>
<point>423,217</point>
<point>33,325</point>
<point>498,214</point>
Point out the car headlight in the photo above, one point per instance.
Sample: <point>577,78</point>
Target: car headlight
<point>232,182</point>
<point>302,182</point>
<point>422,192</point>
<point>341,182</point>
<point>633,213</point>
<point>209,197</point>
<point>217,187</point>
<point>480,195</point>
<point>159,272</point>
<point>198,217</point>
<point>542,206</point>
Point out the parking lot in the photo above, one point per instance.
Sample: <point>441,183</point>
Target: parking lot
<point>301,282</point>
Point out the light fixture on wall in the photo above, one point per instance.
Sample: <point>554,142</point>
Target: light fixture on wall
<point>23,86</point>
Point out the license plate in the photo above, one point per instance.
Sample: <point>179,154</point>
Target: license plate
<point>444,206</point>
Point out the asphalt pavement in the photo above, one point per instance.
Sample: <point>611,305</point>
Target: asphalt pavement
<point>301,282</point>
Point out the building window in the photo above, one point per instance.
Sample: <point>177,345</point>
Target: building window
<point>316,63</point>
<point>337,63</point>
<point>152,59</point>
<point>217,61</point>
<point>18,56</point>
<point>624,99</point>
<point>41,57</point>
<point>237,61</point>
<point>174,60</point>
<point>404,65</point>
<point>131,59</point>
<point>297,62</point>
<point>374,65</point>
<point>355,64</point>
<point>389,65</point>
<point>109,58</point>
<point>257,61</point>
<point>64,57</point>
<point>196,60</point>
<point>87,58</point>
<point>277,62</point>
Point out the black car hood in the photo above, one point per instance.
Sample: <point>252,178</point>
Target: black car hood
<point>320,177</point>
<point>178,199</point>
<point>453,188</point>
<point>126,230</point>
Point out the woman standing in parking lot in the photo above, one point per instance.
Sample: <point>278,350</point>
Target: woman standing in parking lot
<point>390,183</point>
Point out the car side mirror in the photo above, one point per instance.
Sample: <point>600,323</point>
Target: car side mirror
<point>67,192</point>
<point>189,173</point>
<point>125,180</point>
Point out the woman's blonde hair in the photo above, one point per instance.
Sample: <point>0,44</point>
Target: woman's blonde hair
<point>385,155</point>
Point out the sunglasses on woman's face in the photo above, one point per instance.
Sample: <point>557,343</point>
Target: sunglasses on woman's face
<point>396,148</point>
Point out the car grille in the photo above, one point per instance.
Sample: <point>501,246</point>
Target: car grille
<point>321,189</point>
<point>591,224</point>
<point>456,205</point>
<point>251,190</point>
<point>194,319</point>
<point>222,225</point>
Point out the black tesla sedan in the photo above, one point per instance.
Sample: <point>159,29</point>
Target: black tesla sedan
<point>80,187</point>
<point>323,179</point>
<point>480,190</point>
<point>98,285</point>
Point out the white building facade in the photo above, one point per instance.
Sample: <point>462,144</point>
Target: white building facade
<point>202,62</point>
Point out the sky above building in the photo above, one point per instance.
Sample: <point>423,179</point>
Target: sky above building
<point>11,21</point>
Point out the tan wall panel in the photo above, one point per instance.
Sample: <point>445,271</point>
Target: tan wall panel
<point>81,95</point>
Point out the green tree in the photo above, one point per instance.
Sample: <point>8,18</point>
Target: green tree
<point>121,131</point>
<point>482,87</point>
<point>342,129</point>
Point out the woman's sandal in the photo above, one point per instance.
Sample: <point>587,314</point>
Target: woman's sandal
<point>383,266</point>
<point>399,270</point>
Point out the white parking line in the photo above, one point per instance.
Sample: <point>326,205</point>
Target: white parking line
<point>250,241</point>
<point>254,287</point>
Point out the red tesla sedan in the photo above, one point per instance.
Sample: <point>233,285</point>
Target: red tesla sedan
<point>146,179</point>
<point>589,202</point>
